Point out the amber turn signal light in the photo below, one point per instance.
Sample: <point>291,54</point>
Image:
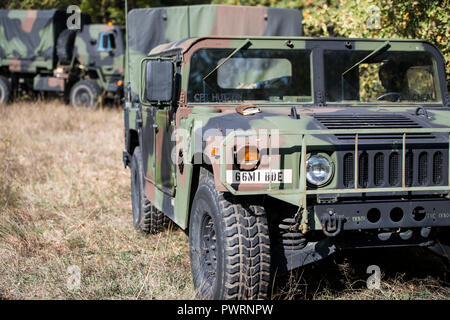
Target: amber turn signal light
<point>251,154</point>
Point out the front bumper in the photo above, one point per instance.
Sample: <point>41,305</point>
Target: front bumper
<point>381,214</point>
<point>285,260</point>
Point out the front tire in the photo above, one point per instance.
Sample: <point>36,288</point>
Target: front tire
<point>146,218</point>
<point>85,93</point>
<point>229,246</point>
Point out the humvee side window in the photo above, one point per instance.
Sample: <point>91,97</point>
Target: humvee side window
<point>106,41</point>
<point>386,77</point>
<point>250,75</point>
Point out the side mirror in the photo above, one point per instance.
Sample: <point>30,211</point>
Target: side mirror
<point>158,81</point>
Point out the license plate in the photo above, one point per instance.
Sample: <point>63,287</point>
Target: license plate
<point>259,176</point>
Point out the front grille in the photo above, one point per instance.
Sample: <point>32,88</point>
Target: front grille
<point>363,172</point>
<point>423,164</point>
<point>375,121</point>
<point>438,160</point>
<point>384,168</point>
<point>394,169</point>
<point>348,170</point>
<point>409,165</point>
<point>379,169</point>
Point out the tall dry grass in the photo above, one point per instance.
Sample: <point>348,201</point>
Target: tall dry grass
<point>65,200</point>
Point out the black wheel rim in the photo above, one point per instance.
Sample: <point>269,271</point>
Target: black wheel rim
<point>83,98</point>
<point>208,249</point>
<point>136,197</point>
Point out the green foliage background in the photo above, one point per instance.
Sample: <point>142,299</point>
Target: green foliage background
<point>410,19</point>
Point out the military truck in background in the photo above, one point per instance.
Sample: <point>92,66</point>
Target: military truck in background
<point>273,150</point>
<point>39,54</point>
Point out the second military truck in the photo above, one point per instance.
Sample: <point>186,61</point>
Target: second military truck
<point>39,54</point>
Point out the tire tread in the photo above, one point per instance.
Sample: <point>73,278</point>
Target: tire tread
<point>247,248</point>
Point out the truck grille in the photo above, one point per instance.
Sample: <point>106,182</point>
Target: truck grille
<point>438,160</point>
<point>384,168</point>
<point>376,121</point>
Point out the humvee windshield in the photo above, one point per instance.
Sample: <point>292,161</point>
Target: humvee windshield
<point>386,77</point>
<point>260,75</point>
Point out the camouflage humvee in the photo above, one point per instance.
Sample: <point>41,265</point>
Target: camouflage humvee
<point>274,152</point>
<point>39,54</point>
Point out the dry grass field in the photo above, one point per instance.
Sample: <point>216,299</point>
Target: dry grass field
<point>65,201</point>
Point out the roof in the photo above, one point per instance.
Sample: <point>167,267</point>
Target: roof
<point>46,14</point>
<point>185,44</point>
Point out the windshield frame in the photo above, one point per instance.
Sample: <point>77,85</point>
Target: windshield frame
<point>317,47</point>
<point>254,47</point>
<point>356,90</point>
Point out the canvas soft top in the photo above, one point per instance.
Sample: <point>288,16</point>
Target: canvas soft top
<point>29,34</point>
<point>150,27</point>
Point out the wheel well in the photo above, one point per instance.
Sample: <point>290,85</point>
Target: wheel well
<point>133,141</point>
<point>194,185</point>
<point>5,72</point>
<point>92,75</point>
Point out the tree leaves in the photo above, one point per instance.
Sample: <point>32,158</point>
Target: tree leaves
<point>407,19</point>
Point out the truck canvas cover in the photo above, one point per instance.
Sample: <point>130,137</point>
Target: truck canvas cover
<point>28,37</point>
<point>150,27</point>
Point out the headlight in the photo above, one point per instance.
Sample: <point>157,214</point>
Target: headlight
<point>318,170</point>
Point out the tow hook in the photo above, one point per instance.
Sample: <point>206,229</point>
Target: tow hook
<point>332,224</point>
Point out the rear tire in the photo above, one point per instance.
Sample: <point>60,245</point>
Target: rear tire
<point>5,90</point>
<point>85,93</point>
<point>146,218</point>
<point>229,246</point>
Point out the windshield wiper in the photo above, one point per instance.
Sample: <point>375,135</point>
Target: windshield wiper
<point>247,43</point>
<point>386,45</point>
<point>374,53</point>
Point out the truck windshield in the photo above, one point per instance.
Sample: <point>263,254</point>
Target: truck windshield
<point>393,77</point>
<point>256,75</point>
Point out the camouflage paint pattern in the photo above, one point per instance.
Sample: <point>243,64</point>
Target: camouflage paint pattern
<point>110,63</point>
<point>28,38</point>
<point>170,187</point>
<point>150,27</point>
<point>42,83</point>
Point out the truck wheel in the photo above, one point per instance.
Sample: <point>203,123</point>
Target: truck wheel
<point>85,93</point>
<point>5,90</point>
<point>64,46</point>
<point>146,217</point>
<point>229,246</point>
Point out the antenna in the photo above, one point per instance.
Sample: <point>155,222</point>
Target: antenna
<point>127,68</point>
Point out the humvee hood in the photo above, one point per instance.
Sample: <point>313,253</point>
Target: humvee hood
<point>317,119</point>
